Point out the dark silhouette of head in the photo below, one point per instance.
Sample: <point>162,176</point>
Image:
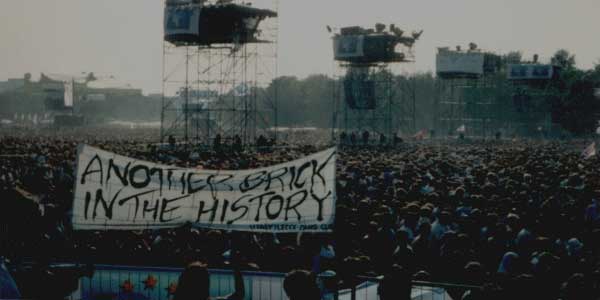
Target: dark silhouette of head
<point>395,285</point>
<point>575,287</point>
<point>301,284</point>
<point>194,283</point>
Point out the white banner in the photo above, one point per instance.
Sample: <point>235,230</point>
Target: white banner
<point>347,46</point>
<point>114,192</point>
<point>530,71</point>
<point>182,19</point>
<point>448,61</point>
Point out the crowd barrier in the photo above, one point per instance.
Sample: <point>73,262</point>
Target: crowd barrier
<point>124,282</point>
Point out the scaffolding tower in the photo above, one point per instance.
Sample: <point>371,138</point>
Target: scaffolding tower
<point>367,95</point>
<point>475,103</point>
<point>220,84</point>
<point>530,88</point>
<point>469,93</point>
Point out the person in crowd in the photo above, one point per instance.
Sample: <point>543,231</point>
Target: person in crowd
<point>171,141</point>
<point>301,285</point>
<point>217,142</point>
<point>45,281</point>
<point>382,139</point>
<point>328,284</point>
<point>395,285</point>
<point>365,137</point>
<point>237,144</point>
<point>262,143</point>
<point>194,284</point>
<point>521,212</point>
<point>576,287</point>
<point>8,287</point>
<point>343,138</point>
<point>398,140</point>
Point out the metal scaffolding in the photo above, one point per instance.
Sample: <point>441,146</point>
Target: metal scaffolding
<point>475,103</point>
<point>221,89</point>
<point>368,95</point>
<point>530,112</point>
<point>491,104</point>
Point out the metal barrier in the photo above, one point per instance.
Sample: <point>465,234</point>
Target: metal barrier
<point>421,290</point>
<point>110,281</point>
<point>120,282</point>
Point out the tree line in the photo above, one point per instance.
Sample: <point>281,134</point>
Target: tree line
<point>569,98</point>
<point>309,101</point>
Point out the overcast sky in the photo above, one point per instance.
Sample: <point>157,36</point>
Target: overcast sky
<point>124,37</point>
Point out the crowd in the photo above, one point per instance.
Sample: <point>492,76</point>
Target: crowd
<point>521,219</point>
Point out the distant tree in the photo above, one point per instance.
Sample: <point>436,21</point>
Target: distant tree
<point>564,59</point>
<point>290,104</point>
<point>90,77</point>
<point>318,100</point>
<point>513,57</point>
<point>594,74</point>
<point>578,110</point>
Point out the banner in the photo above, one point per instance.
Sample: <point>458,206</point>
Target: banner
<point>530,71</point>
<point>453,62</point>
<point>114,192</point>
<point>347,46</point>
<point>182,19</point>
